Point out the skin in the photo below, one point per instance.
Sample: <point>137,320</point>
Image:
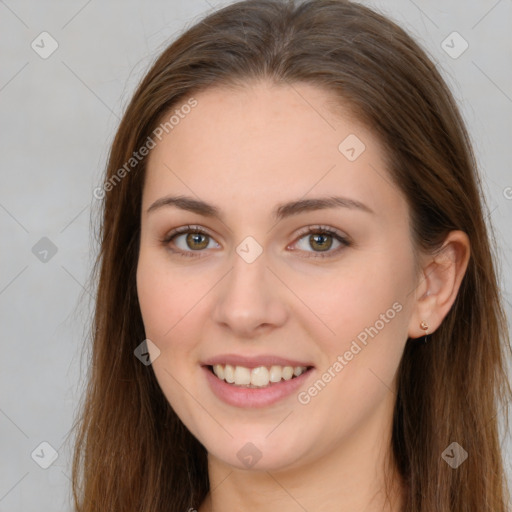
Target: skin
<point>246,151</point>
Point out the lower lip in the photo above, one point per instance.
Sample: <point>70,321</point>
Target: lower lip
<point>254,397</point>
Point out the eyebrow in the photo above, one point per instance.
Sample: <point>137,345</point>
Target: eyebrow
<point>281,211</point>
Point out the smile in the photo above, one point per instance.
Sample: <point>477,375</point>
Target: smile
<point>241,393</point>
<point>258,377</point>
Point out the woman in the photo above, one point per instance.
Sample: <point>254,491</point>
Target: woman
<point>297,303</point>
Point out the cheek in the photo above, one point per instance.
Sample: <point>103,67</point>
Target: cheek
<point>366,312</point>
<point>359,361</point>
<point>166,305</point>
<point>155,304</point>
<point>352,299</point>
<point>164,297</point>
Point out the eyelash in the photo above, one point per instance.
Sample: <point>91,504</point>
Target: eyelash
<point>316,230</point>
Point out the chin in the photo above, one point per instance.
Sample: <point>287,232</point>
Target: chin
<point>259,452</point>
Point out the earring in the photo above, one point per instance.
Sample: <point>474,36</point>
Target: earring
<point>424,326</point>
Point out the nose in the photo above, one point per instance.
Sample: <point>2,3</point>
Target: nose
<point>250,299</point>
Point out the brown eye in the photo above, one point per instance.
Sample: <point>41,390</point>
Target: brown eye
<point>321,240</point>
<point>194,242</point>
<point>187,240</point>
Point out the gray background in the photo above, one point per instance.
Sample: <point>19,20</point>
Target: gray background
<point>58,118</point>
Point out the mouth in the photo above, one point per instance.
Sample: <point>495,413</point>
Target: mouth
<point>254,381</point>
<point>258,377</point>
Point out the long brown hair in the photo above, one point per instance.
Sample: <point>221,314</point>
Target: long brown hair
<point>132,452</point>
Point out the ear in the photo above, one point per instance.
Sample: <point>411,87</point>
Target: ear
<point>441,276</point>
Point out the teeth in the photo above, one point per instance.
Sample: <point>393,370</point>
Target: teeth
<point>259,376</point>
<point>242,375</point>
<point>256,377</point>
<point>275,373</point>
<point>218,369</point>
<point>229,374</point>
<point>287,372</point>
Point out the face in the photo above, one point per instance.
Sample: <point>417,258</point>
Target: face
<point>263,276</point>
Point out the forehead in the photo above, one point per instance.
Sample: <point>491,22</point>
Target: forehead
<point>289,119</point>
<point>267,141</point>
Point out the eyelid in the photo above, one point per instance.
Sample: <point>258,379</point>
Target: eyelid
<point>186,229</point>
<point>343,239</point>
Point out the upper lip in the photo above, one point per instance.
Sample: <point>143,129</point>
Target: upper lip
<point>254,361</point>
